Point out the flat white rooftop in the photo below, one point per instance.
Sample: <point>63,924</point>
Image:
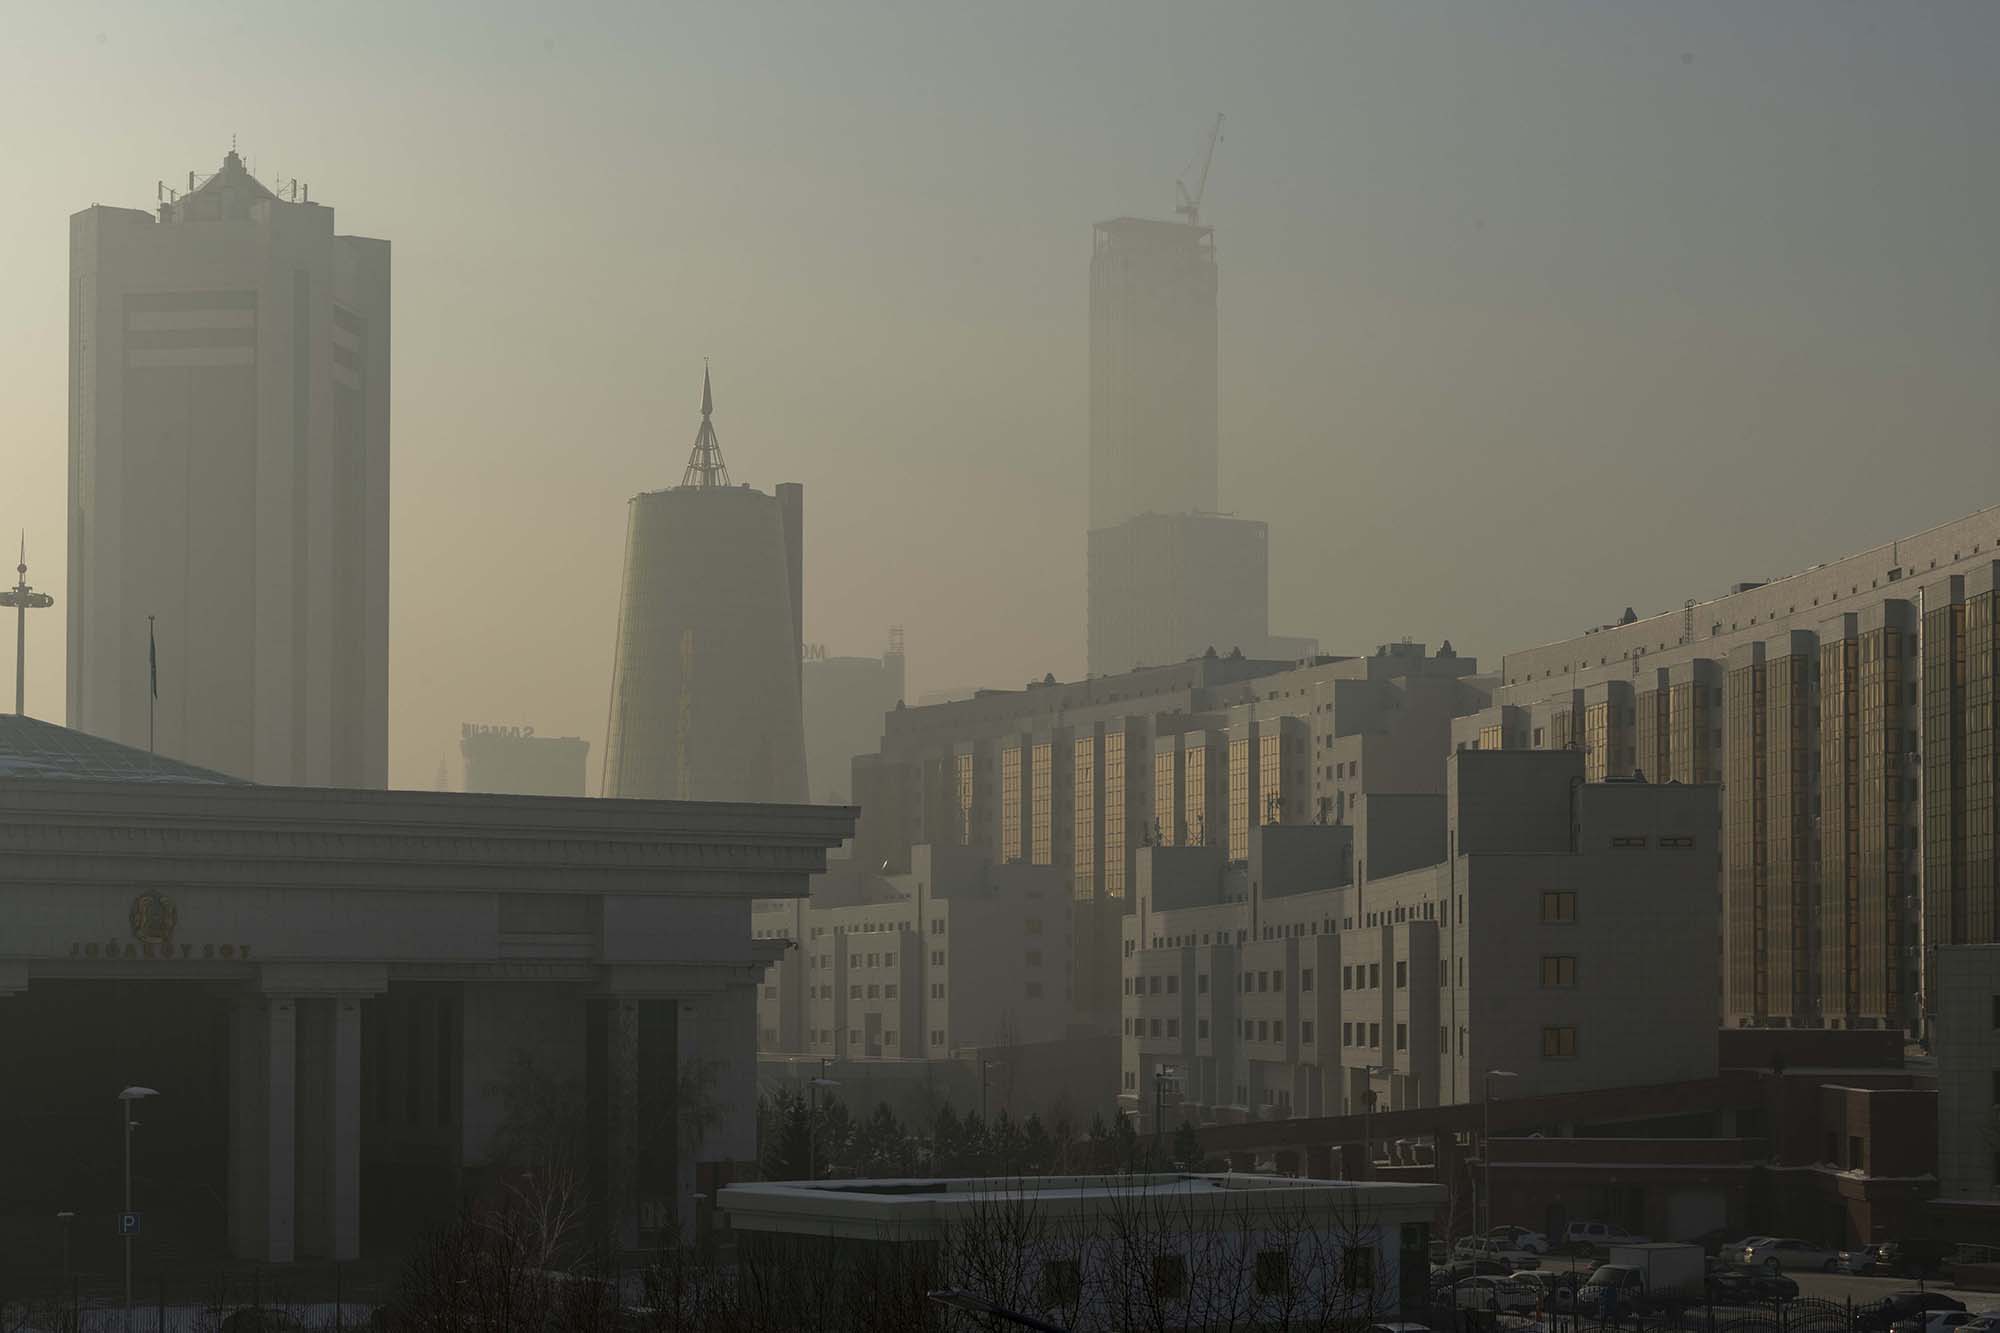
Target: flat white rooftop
<point>892,1209</point>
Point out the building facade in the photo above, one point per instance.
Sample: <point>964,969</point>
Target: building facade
<point>340,994</point>
<point>1153,406</point>
<point>955,954</point>
<point>1967,1046</point>
<point>845,699</point>
<point>705,698</point>
<point>1524,920</point>
<point>1851,713</point>
<point>516,760</point>
<point>1163,588</point>
<point>229,483</point>
<point>1082,776</point>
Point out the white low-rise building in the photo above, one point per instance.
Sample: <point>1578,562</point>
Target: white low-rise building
<point>1525,921</point>
<point>1166,1250</point>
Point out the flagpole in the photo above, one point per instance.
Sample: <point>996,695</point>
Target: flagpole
<point>152,681</point>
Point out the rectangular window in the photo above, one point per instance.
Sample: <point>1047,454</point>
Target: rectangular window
<point>1263,981</point>
<point>1306,979</point>
<point>1306,1033</point>
<point>1169,1276</point>
<point>1201,983</point>
<point>888,960</point>
<point>1173,984</point>
<point>889,991</point>
<point>1274,1273</point>
<point>1374,976</point>
<point>1402,1036</point>
<point>937,990</point>
<point>1635,840</point>
<point>854,992</point>
<point>1357,1267</point>
<point>1263,1029</point>
<point>1173,1027</point>
<point>1402,974</point>
<point>1559,1043</point>
<point>1278,1029</point>
<point>874,992</point>
<point>1155,1027</point>
<point>1559,907</point>
<point>1347,1034</point>
<point>1375,1035</point>
<point>1347,983</point>
<point>1558,970</point>
<point>1201,1028</point>
<point>1032,926</point>
<point>1153,985</point>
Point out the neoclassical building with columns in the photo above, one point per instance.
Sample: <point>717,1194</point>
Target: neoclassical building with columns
<point>351,1002</point>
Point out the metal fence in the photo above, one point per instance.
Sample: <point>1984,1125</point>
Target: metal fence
<point>1496,1305</point>
<point>240,1299</point>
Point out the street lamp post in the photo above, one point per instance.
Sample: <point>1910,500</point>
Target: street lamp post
<point>985,1065</point>
<point>126,1098</point>
<point>1486,1145</point>
<point>1162,1079</point>
<point>65,1217</point>
<point>812,1115</point>
<point>1369,1072</point>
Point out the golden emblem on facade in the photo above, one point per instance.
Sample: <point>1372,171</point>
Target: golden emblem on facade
<point>154,918</point>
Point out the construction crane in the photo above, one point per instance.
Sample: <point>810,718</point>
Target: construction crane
<point>1190,205</point>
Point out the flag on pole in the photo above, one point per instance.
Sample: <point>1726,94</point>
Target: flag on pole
<point>152,660</point>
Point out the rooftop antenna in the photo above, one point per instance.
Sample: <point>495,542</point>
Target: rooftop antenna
<point>705,467</point>
<point>1190,204</point>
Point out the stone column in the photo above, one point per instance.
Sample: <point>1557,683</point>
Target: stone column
<point>618,1057</point>
<point>262,1085</point>
<point>329,1119</point>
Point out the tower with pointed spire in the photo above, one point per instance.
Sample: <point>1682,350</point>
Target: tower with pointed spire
<point>705,677</point>
<point>229,477</point>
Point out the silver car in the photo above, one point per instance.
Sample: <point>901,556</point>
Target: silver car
<point>1792,1255</point>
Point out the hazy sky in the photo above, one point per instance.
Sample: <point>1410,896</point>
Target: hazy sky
<point>1530,311</point>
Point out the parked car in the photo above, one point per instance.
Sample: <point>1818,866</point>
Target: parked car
<point>1861,1259</point>
<point>1936,1321</point>
<point>1748,1286</point>
<point>1520,1238</point>
<point>1557,1291</point>
<point>1459,1269</point>
<point>1398,1328</point>
<point>1901,1305</point>
<point>1733,1252</point>
<point>1592,1237</point>
<point>1480,1247</point>
<point>1791,1253</point>
<point>1496,1294</point>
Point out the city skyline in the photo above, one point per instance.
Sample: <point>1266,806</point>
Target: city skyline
<point>1598,302</point>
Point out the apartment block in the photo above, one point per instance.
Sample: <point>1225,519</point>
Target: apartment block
<point>1083,776</point>
<point>1850,713</point>
<point>1522,919</point>
<point>957,952</point>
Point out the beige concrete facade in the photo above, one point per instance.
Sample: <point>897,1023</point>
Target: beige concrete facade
<point>1525,920</point>
<point>1852,713</point>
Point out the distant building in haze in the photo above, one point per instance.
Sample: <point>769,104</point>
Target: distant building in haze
<point>705,682</point>
<point>845,699</point>
<point>1167,587</point>
<point>229,483</point>
<point>1153,418</point>
<point>516,760</point>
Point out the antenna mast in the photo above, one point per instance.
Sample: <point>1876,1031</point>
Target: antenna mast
<point>705,467</point>
<point>1190,205</point>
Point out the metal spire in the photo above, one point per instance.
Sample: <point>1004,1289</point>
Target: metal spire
<point>23,599</point>
<point>705,467</point>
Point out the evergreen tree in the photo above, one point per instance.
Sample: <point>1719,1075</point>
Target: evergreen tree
<point>1187,1148</point>
<point>1038,1150</point>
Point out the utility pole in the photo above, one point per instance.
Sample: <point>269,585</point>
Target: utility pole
<point>1486,1146</point>
<point>23,599</point>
